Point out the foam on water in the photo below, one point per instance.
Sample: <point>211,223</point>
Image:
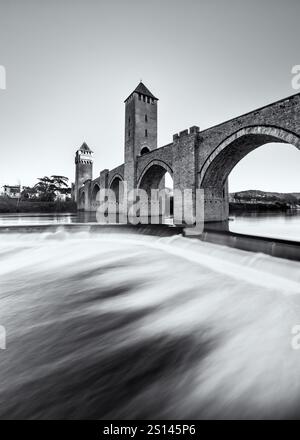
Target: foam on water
<point>128,326</point>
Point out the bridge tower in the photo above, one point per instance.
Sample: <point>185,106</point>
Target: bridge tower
<point>83,167</point>
<point>140,129</point>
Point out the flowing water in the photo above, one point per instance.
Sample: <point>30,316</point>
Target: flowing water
<point>21,219</point>
<point>106,326</point>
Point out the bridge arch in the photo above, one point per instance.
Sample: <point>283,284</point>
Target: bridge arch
<point>94,194</point>
<point>218,165</point>
<point>116,185</point>
<point>153,174</point>
<point>113,177</point>
<point>153,177</point>
<point>235,147</point>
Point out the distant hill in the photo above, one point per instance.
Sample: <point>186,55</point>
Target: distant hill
<point>257,194</point>
<point>263,200</point>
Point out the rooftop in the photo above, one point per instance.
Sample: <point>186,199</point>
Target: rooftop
<point>142,89</point>
<point>85,147</point>
<point>11,186</point>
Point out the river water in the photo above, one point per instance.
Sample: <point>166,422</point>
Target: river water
<point>108,326</point>
<point>279,225</point>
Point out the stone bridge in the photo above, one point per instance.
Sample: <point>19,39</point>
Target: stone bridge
<point>197,159</point>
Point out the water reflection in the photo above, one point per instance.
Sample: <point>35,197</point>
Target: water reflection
<point>271,224</point>
<point>19,219</point>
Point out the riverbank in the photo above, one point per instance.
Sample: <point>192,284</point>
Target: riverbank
<point>8,205</point>
<point>258,207</point>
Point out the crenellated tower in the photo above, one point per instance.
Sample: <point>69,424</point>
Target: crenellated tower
<point>140,122</point>
<point>83,167</point>
<point>140,128</point>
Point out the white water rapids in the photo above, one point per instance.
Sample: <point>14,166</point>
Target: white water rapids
<point>130,326</point>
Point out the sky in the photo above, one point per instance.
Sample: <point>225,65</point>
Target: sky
<point>71,63</point>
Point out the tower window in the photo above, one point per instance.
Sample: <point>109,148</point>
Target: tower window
<point>144,150</point>
<point>148,100</point>
<point>146,133</point>
<point>146,118</point>
<point>129,133</point>
<point>129,120</point>
<point>140,96</point>
<point>144,98</point>
<point>152,100</point>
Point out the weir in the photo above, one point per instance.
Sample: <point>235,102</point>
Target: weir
<point>271,246</point>
<point>213,233</point>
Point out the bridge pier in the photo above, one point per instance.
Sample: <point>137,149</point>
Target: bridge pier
<point>185,152</point>
<point>216,204</point>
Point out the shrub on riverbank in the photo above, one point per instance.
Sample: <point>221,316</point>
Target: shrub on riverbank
<point>258,207</point>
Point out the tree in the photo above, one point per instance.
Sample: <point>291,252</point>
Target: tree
<point>60,181</point>
<point>291,199</point>
<point>28,193</point>
<point>48,187</point>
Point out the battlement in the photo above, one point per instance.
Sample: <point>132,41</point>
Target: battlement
<point>84,161</point>
<point>84,155</point>
<point>192,130</point>
<point>104,172</point>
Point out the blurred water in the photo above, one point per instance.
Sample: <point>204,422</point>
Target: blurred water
<point>25,219</point>
<point>20,219</point>
<point>124,326</point>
